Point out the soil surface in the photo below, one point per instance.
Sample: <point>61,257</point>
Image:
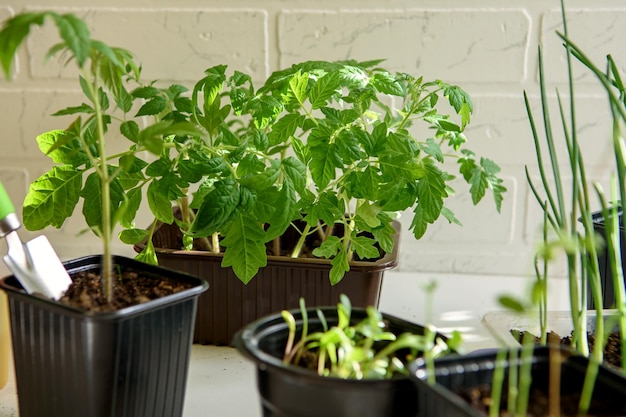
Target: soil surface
<point>86,292</point>
<point>479,397</point>
<point>612,349</point>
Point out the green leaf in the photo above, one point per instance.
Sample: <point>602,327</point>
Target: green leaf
<point>130,130</point>
<point>384,237</point>
<point>364,247</point>
<point>285,212</point>
<point>160,205</point>
<point>13,33</point>
<point>298,85</point>
<point>92,201</point>
<point>449,215</point>
<point>329,248</point>
<point>284,128</point>
<point>83,108</point>
<point>52,198</point>
<point>324,156</point>
<point>76,35</point>
<point>369,214</point>
<point>324,89</point>
<point>431,191</point>
<point>340,265</point>
<point>386,83</point>
<point>148,255</point>
<point>217,208</point>
<point>295,172</point>
<point>62,147</point>
<point>133,236</point>
<point>260,181</point>
<point>432,148</point>
<point>511,303</point>
<point>145,92</point>
<point>152,107</point>
<point>460,101</point>
<point>130,207</point>
<point>328,207</point>
<point>245,247</point>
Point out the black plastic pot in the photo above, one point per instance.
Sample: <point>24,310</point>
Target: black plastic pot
<point>455,374</point>
<point>606,273</point>
<point>231,304</point>
<point>292,391</point>
<point>127,363</point>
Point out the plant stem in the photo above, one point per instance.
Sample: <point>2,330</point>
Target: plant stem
<point>101,167</point>
<point>297,250</point>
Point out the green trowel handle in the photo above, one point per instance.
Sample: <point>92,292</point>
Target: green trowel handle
<point>6,206</point>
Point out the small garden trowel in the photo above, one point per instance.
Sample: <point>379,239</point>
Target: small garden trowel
<point>35,263</point>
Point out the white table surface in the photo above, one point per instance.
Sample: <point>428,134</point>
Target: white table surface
<point>223,381</point>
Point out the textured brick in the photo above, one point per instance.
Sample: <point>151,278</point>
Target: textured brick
<point>597,31</point>
<point>174,44</point>
<point>429,42</point>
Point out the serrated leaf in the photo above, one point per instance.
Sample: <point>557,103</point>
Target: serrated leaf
<point>13,33</point>
<point>432,148</point>
<point>62,147</point>
<point>83,108</point>
<point>145,92</point>
<point>324,89</point>
<point>298,85</point>
<point>152,107</point>
<point>449,215</point>
<point>340,265</point>
<point>245,248</point>
<point>284,128</point>
<point>431,191</point>
<point>260,181</point>
<point>52,198</point>
<point>76,35</point>
<point>217,209</point>
<point>295,171</point>
<point>329,248</point>
<point>364,247</point>
<point>386,83</point>
<point>384,237</point>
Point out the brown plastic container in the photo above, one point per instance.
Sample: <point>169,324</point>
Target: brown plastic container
<point>230,304</point>
<point>131,362</point>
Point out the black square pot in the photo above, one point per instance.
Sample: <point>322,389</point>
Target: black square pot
<point>455,374</point>
<point>292,391</point>
<point>131,362</point>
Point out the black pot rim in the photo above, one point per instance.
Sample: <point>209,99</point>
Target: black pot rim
<point>14,289</point>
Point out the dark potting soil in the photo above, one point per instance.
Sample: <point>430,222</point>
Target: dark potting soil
<point>612,349</point>
<point>538,404</point>
<point>86,291</point>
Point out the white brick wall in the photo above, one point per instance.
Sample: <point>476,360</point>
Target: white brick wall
<point>486,46</point>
